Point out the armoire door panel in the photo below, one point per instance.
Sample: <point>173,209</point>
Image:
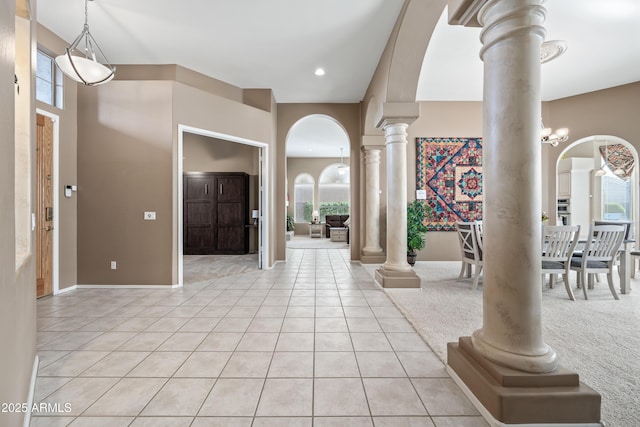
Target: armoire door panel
<point>200,213</point>
<point>229,214</point>
<point>228,239</point>
<point>230,189</point>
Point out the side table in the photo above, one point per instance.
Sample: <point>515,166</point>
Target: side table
<point>315,230</point>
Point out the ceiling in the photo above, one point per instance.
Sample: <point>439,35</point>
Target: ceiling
<point>278,44</point>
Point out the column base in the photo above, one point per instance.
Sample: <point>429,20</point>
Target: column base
<point>516,397</point>
<point>397,279</point>
<point>377,258</point>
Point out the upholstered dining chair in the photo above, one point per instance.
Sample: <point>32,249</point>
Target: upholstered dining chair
<point>598,255</point>
<point>470,251</point>
<point>559,244</point>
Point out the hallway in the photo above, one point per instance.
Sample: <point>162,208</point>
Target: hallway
<point>313,342</point>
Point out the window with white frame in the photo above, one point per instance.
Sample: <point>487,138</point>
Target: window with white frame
<point>334,191</point>
<point>616,198</point>
<point>49,80</point>
<point>303,197</point>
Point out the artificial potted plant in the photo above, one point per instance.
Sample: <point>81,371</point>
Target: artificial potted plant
<point>290,224</point>
<point>417,211</point>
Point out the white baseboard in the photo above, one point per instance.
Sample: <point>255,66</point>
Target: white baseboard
<point>129,286</point>
<point>495,423</point>
<point>32,390</point>
<point>63,290</point>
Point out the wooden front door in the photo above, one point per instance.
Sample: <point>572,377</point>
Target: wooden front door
<point>44,206</point>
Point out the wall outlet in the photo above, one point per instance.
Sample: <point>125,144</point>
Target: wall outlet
<point>149,216</point>
<point>113,265</point>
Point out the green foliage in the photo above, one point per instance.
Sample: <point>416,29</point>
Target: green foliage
<point>333,208</point>
<point>614,207</point>
<point>417,212</point>
<point>291,225</point>
<point>326,208</point>
<point>308,211</point>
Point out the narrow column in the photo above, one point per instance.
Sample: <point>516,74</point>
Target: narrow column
<point>511,333</point>
<point>396,271</point>
<point>396,146</point>
<point>372,209</point>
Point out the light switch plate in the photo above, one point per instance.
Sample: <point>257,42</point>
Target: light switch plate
<point>149,216</point>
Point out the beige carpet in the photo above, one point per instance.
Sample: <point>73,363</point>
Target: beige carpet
<point>598,338</point>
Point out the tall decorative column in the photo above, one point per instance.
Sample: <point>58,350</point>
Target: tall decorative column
<point>396,271</point>
<point>372,252</point>
<point>510,343</point>
<point>512,335</point>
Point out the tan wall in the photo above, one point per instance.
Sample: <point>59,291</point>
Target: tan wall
<point>125,164</point>
<point>607,112</point>
<point>127,151</point>
<point>206,154</point>
<point>441,119</point>
<point>612,112</point>
<point>205,110</point>
<point>68,171</point>
<point>347,115</point>
<point>17,288</point>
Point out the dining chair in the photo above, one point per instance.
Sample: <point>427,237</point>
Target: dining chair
<point>598,255</point>
<point>470,251</point>
<point>559,243</point>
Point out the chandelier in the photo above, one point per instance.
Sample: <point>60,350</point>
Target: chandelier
<point>84,61</point>
<point>342,168</point>
<point>549,136</point>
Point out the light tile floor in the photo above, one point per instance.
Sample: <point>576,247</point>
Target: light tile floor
<point>313,342</point>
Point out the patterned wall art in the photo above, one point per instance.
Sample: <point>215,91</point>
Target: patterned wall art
<point>450,170</point>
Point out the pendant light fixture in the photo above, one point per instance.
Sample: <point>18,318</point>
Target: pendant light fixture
<point>602,171</point>
<point>342,169</point>
<point>84,61</point>
<point>548,136</point>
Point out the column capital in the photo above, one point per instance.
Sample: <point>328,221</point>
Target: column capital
<point>465,12</point>
<point>372,154</point>
<point>372,141</point>
<point>398,112</point>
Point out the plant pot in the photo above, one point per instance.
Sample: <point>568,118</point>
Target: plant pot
<point>411,258</point>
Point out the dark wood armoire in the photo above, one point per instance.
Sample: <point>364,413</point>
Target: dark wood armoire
<point>216,212</point>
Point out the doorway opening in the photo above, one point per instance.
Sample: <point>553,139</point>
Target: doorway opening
<point>200,152</point>
<point>589,188</point>
<point>318,194</point>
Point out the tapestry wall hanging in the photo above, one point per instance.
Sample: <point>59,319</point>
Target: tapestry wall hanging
<point>450,170</point>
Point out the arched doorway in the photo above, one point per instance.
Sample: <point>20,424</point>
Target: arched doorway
<point>315,144</point>
<point>589,188</point>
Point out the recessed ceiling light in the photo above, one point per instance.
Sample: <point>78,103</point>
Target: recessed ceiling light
<point>319,72</point>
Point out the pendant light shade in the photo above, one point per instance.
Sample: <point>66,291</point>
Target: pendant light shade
<point>84,61</point>
<point>602,171</point>
<point>342,168</point>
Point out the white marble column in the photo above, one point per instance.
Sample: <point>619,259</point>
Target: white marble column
<point>511,333</point>
<point>372,208</point>
<point>396,147</point>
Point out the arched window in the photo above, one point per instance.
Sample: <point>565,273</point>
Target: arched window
<point>303,197</point>
<point>333,190</point>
